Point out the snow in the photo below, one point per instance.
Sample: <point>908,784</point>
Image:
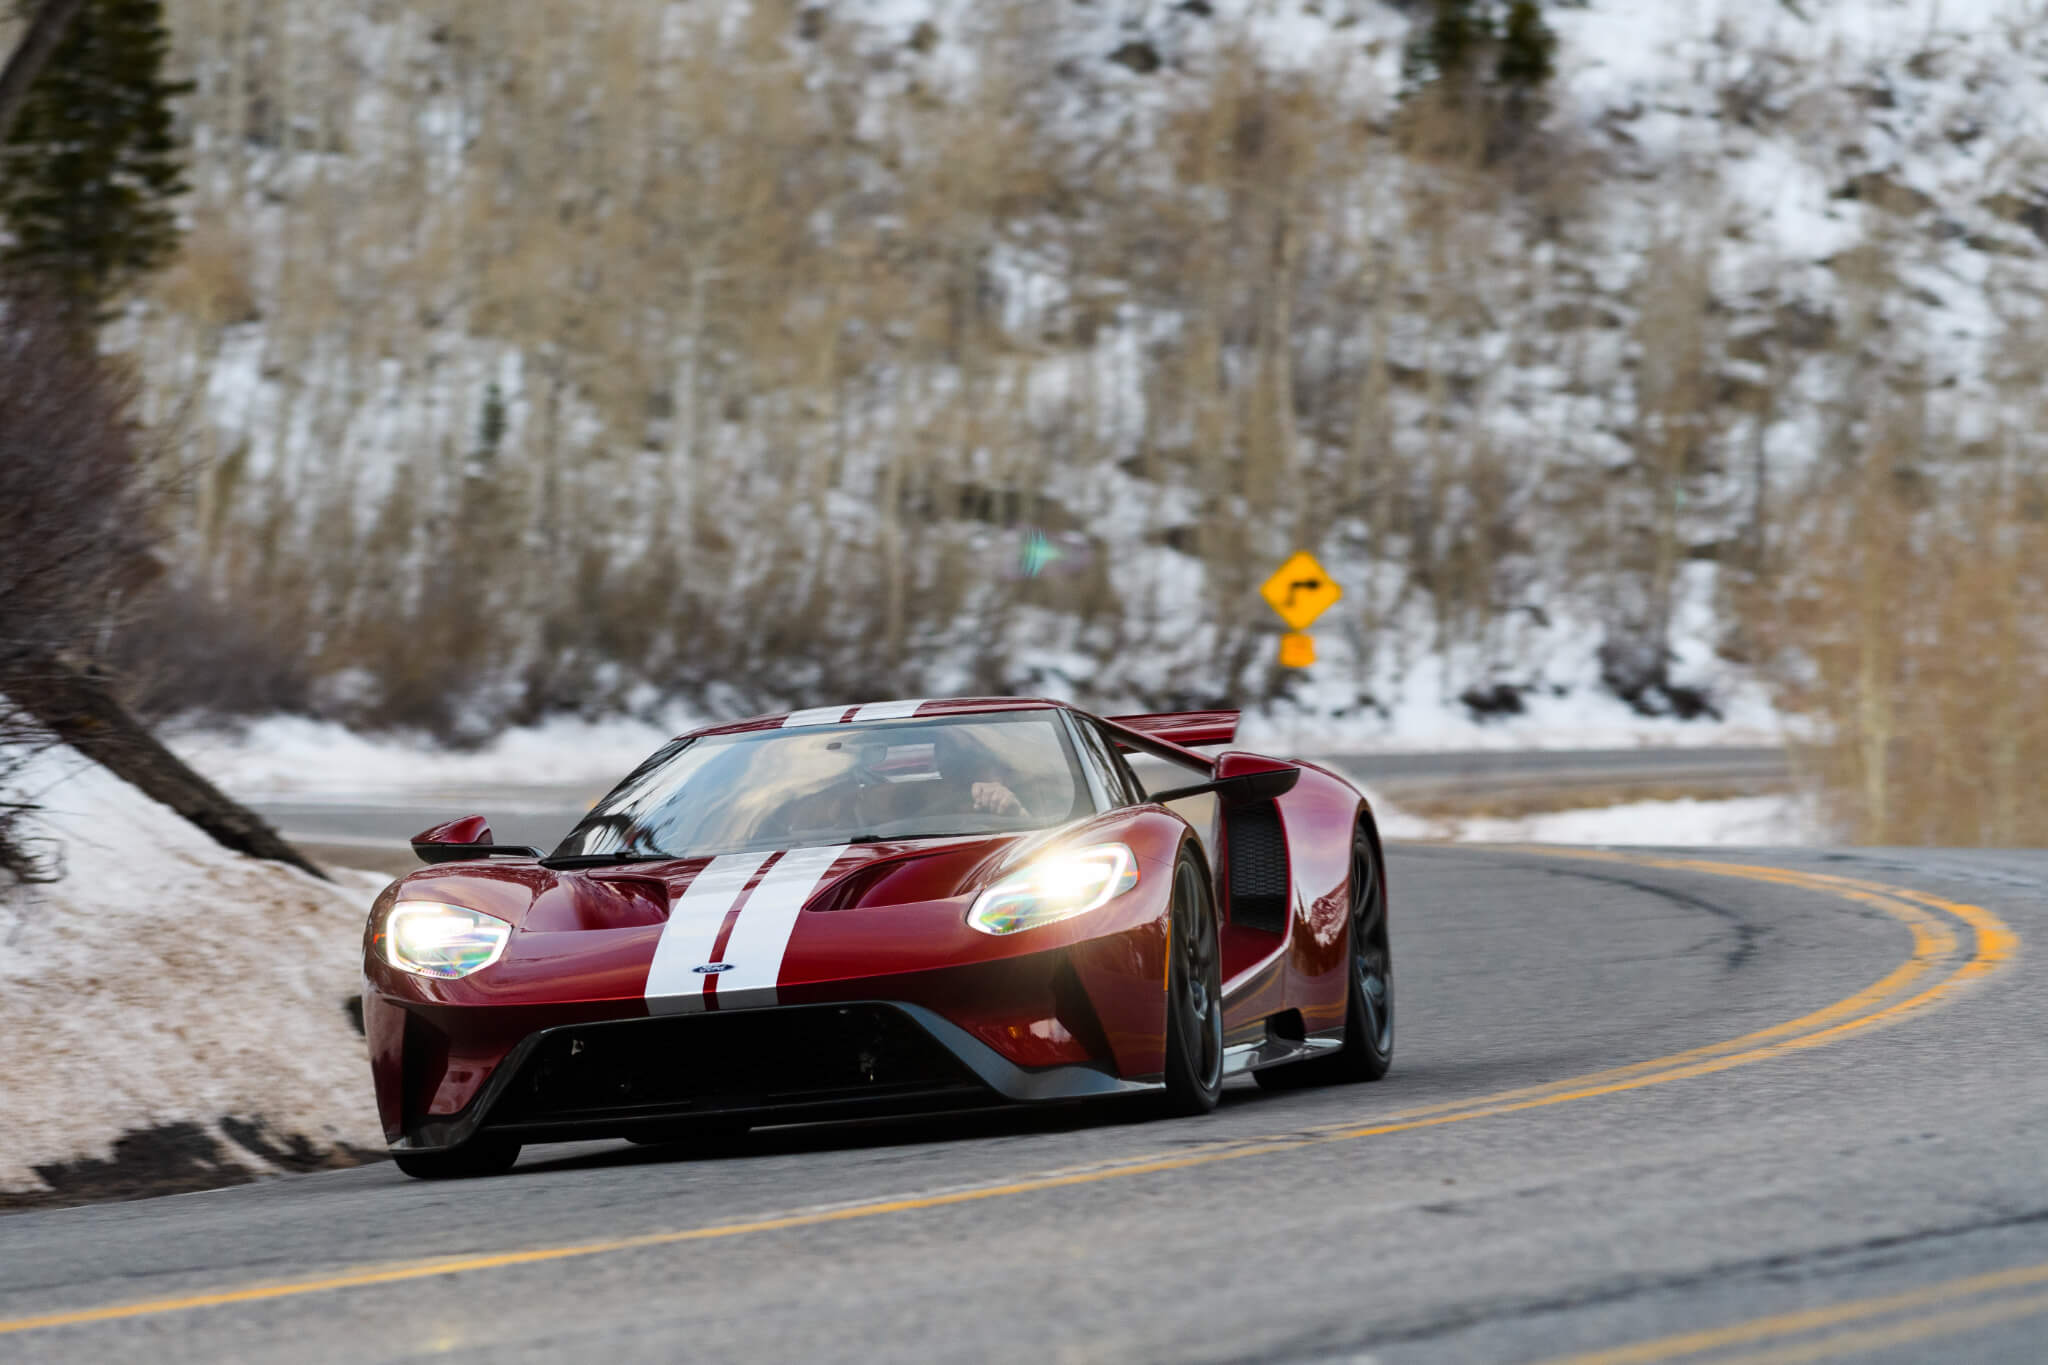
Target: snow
<point>1555,715</point>
<point>301,757</point>
<point>1368,696</point>
<point>1746,821</point>
<point>164,979</point>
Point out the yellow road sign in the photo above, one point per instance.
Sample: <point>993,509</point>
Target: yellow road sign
<point>1297,650</point>
<point>1300,591</point>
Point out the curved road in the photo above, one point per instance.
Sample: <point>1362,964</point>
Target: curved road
<point>1646,1107</point>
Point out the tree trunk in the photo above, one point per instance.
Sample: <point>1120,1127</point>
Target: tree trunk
<point>80,710</point>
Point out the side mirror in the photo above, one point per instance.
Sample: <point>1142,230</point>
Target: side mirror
<point>469,837</point>
<point>1241,780</point>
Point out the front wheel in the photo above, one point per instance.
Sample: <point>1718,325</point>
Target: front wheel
<point>478,1156</point>
<point>1194,994</point>
<point>1369,1008</point>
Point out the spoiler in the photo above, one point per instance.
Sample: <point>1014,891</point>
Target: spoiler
<point>1183,727</point>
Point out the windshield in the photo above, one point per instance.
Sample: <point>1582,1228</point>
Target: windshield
<point>833,784</point>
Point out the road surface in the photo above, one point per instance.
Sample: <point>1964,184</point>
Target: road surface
<point>1646,1107</point>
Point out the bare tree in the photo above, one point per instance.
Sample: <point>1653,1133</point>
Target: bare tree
<point>78,535</point>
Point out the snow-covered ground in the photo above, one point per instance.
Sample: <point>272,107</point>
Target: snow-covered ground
<point>165,980</point>
<point>309,759</point>
<point>1748,821</point>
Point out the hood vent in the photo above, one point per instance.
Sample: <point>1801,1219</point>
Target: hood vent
<point>853,888</point>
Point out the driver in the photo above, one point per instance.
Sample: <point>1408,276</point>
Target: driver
<point>861,796</point>
<point>969,771</point>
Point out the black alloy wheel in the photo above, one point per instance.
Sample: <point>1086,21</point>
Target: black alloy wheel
<point>1194,994</point>
<point>1368,1049</point>
<point>1369,1022</point>
<point>478,1156</point>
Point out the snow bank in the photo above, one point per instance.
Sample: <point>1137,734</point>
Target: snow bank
<point>167,980</point>
<point>299,756</point>
<point>1747,821</point>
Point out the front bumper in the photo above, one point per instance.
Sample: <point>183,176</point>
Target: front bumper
<point>782,1064</point>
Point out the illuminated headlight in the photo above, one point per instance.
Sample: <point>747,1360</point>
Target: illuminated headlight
<point>1054,888</point>
<point>427,939</point>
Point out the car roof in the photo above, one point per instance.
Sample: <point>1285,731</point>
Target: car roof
<point>880,710</point>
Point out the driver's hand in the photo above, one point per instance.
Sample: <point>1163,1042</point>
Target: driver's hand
<point>996,799</point>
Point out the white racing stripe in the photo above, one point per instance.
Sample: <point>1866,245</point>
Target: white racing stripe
<point>888,710</point>
<point>673,986</point>
<point>816,715</point>
<point>760,936</point>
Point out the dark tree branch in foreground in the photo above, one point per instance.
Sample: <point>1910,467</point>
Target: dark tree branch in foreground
<point>45,30</point>
<point>82,711</point>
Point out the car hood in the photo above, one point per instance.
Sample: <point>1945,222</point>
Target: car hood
<point>749,929</point>
<point>540,899</point>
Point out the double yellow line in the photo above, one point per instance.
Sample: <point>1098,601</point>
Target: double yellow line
<point>1862,1323</point>
<point>1938,965</point>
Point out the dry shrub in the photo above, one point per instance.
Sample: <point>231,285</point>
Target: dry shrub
<point>209,281</point>
<point>179,652</point>
<point>1907,623</point>
<point>77,491</point>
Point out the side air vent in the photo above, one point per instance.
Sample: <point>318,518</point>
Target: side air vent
<point>1257,853</point>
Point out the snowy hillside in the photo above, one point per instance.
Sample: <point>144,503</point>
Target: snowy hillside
<point>728,361</point>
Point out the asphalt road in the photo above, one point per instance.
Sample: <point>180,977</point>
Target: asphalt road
<point>1657,1107</point>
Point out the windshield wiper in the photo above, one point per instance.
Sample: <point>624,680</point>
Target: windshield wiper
<point>574,860</point>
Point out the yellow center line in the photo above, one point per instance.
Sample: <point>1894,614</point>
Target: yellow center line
<point>1905,1333</point>
<point>1838,1315</point>
<point>1934,944</point>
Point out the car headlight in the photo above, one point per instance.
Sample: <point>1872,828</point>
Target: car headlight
<point>1061,886</point>
<point>428,939</point>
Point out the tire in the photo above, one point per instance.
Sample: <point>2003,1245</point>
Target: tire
<point>1194,994</point>
<point>1368,1049</point>
<point>478,1156</point>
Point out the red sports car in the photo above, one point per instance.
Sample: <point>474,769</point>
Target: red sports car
<point>856,910</point>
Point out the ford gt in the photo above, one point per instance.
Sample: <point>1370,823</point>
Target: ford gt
<point>850,911</point>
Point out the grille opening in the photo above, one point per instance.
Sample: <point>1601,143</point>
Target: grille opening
<point>738,1059</point>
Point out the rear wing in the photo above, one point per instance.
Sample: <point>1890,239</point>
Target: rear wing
<point>1183,727</point>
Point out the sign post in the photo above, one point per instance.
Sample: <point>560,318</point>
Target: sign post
<point>1299,591</point>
